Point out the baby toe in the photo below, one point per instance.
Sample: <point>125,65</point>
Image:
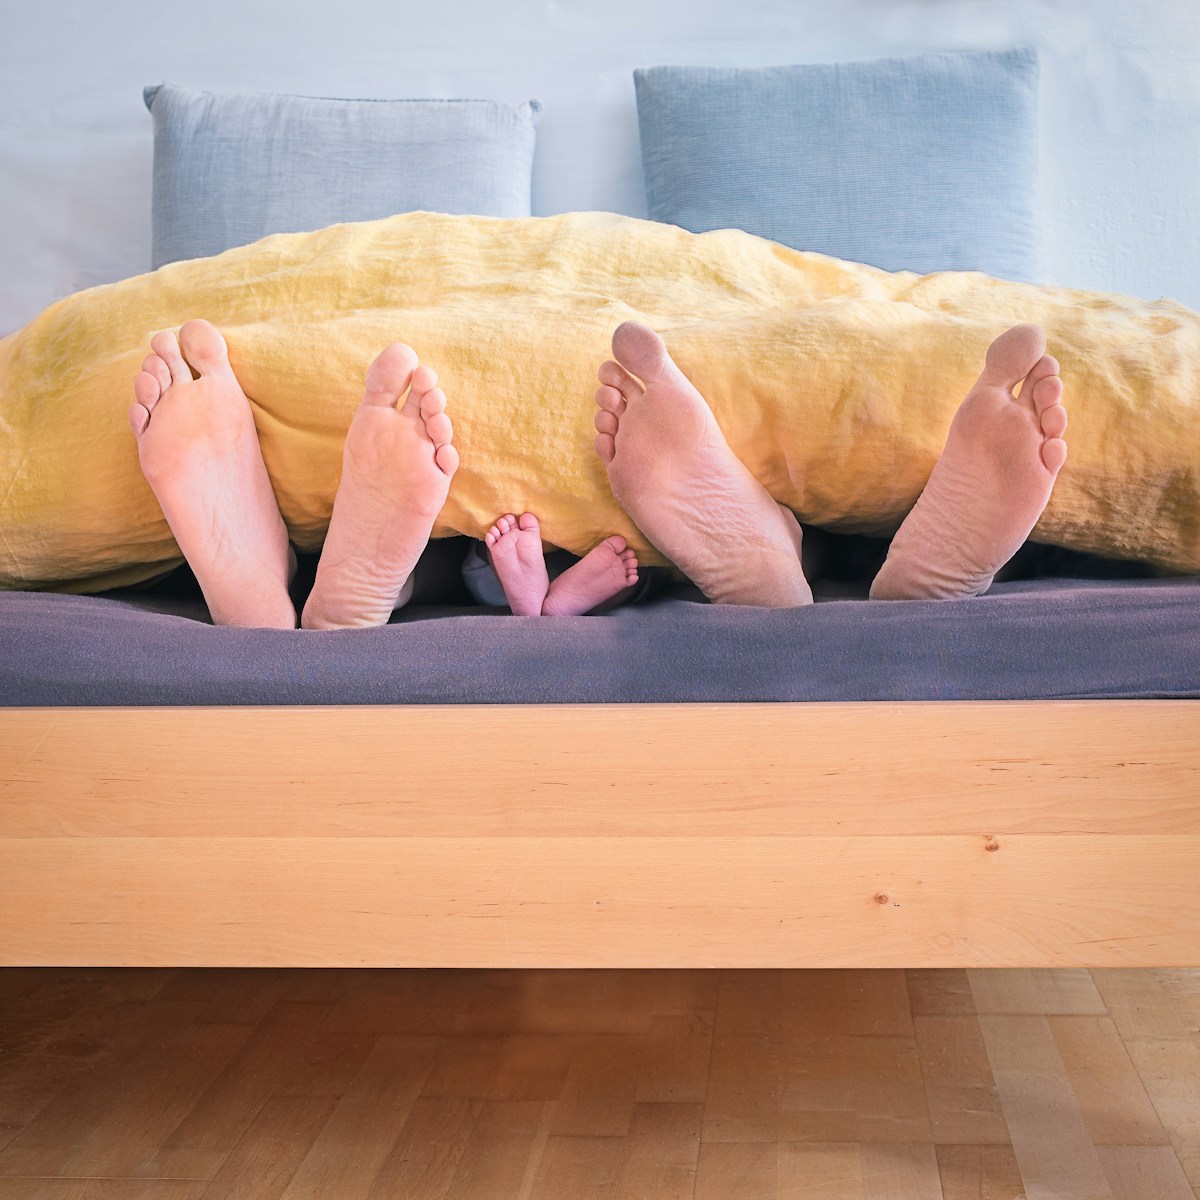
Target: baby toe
<point>139,418</point>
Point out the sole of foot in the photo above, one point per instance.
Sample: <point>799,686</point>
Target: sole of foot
<point>397,464</point>
<point>993,481</point>
<point>599,576</point>
<point>515,547</point>
<point>199,451</point>
<point>671,469</point>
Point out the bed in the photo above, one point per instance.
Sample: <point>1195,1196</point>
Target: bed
<point>1006,781</point>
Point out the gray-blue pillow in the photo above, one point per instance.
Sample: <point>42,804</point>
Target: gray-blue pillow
<point>920,164</point>
<point>229,169</point>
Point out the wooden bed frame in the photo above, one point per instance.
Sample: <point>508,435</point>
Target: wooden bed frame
<point>1061,833</point>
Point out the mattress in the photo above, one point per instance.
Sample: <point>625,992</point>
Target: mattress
<point>1047,637</point>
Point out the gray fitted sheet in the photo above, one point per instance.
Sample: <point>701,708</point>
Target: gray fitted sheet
<point>1039,638</point>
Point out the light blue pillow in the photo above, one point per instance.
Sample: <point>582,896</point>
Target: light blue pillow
<point>920,164</point>
<point>229,169</point>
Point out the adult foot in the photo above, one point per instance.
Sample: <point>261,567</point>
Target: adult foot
<point>199,452</point>
<point>515,547</point>
<point>992,482</point>
<point>397,463</point>
<point>602,573</point>
<point>672,471</point>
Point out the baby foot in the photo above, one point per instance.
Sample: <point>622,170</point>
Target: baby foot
<point>599,575</point>
<point>992,482</point>
<point>396,469</point>
<point>672,471</point>
<point>199,452</point>
<point>517,558</point>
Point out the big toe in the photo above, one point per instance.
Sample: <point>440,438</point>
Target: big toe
<point>203,347</point>
<point>390,374</point>
<point>640,351</point>
<point>1013,355</point>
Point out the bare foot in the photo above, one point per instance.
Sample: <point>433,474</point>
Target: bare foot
<point>515,548</point>
<point>603,572</point>
<point>994,479</point>
<point>672,471</point>
<point>199,452</point>
<point>396,469</point>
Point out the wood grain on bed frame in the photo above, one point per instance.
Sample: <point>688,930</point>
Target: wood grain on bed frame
<point>1062,833</point>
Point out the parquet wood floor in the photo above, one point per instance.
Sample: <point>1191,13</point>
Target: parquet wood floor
<point>599,1085</point>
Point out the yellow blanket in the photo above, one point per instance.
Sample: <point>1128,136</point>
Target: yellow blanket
<point>834,382</point>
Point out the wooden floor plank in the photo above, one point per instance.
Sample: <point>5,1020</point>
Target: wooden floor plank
<point>1039,990</point>
<point>869,1171</point>
<point>465,1068</point>
<point>979,1172</point>
<point>218,1120</point>
<point>534,1066</point>
<point>893,1171</point>
<point>103,1189</point>
<point>48,1142</point>
<point>746,1084</point>
<point>939,993</point>
<point>427,1154</point>
<point>275,1141</point>
<point>889,1091</point>
<point>599,1090</point>
<point>129,1141</point>
<point>351,1149</point>
<point>41,1059</point>
<point>737,1171</point>
<point>1112,1097</point>
<point>1142,1008</point>
<point>675,1053</point>
<point>960,1090</point>
<point>656,1157</point>
<point>1170,1071</point>
<point>503,1152</point>
<point>1057,1158</point>
<point>1137,1172</point>
<point>613,1085</point>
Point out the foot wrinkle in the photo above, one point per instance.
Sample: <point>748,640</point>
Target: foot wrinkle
<point>520,563</point>
<point>198,449</point>
<point>988,489</point>
<point>604,572</point>
<point>675,475</point>
<point>395,480</point>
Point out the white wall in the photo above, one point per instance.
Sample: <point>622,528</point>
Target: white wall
<point>1119,168</point>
